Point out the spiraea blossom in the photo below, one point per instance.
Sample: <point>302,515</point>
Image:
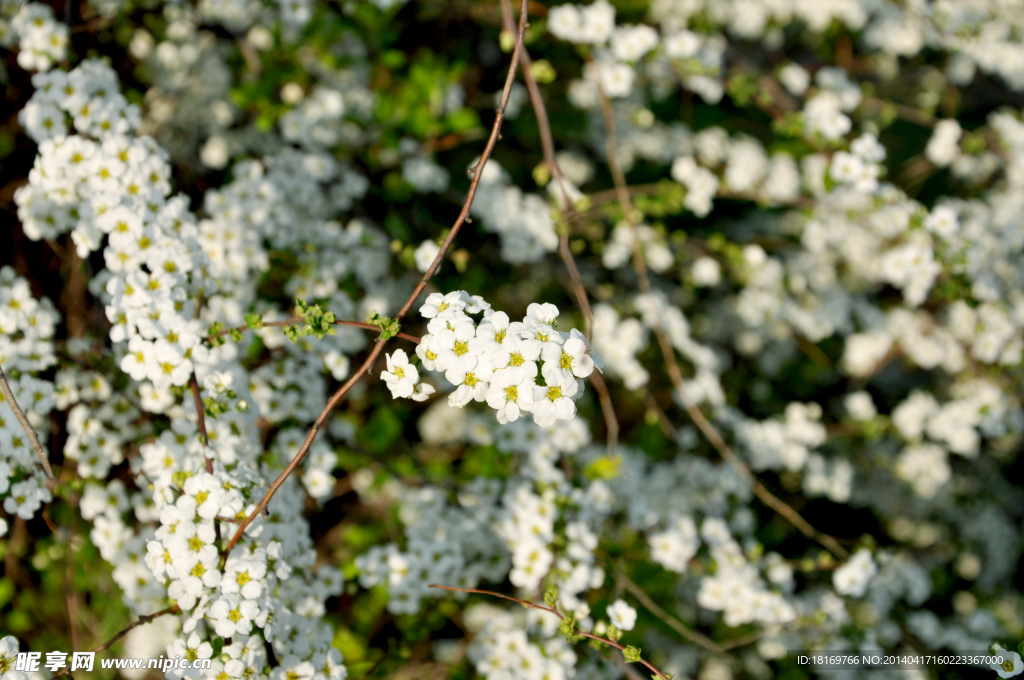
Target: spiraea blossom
<point>517,367</point>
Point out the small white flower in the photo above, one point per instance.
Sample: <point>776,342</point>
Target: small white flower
<point>621,615</point>
<point>425,255</point>
<point>1010,667</point>
<point>436,303</point>
<point>554,402</point>
<point>510,393</point>
<point>401,376</point>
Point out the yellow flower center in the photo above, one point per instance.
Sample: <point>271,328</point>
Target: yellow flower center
<point>235,615</point>
<point>198,570</point>
<point>201,497</point>
<point>554,393</point>
<point>460,348</point>
<point>511,393</point>
<point>399,372</point>
<point>431,356</point>
<point>471,380</point>
<point>443,306</point>
<point>499,337</point>
<point>196,543</point>
<point>565,362</point>
<point>242,578</point>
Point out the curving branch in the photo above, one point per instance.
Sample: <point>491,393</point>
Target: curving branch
<point>336,398</point>
<point>173,609</point>
<point>25,425</point>
<point>477,170</point>
<point>569,213</point>
<point>675,374</point>
<point>531,605</point>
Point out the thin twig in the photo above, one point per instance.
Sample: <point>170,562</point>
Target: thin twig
<point>295,320</point>
<point>531,605</point>
<point>336,398</point>
<point>478,169</point>
<point>193,384</point>
<point>548,146</point>
<point>25,425</point>
<point>675,374</point>
<point>173,609</point>
<point>672,622</point>
<point>261,507</point>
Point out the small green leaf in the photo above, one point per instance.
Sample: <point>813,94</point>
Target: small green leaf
<point>254,321</point>
<point>551,597</point>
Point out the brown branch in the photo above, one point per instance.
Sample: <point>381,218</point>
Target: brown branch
<point>173,609</point>
<point>525,603</point>
<point>336,398</point>
<point>25,425</point>
<point>548,146</point>
<point>261,507</point>
<point>672,622</point>
<point>478,169</point>
<point>295,320</point>
<point>193,385</point>
<point>675,374</point>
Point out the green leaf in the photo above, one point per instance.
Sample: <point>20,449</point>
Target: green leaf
<point>254,321</point>
<point>551,597</point>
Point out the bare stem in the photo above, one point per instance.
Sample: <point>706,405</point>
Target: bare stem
<point>675,374</point>
<point>525,603</point>
<point>25,425</point>
<point>672,622</point>
<point>478,169</point>
<point>579,290</point>
<point>173,609</point>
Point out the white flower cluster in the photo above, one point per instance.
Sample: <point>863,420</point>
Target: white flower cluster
<point>502,647</point>
<point>117,187</point>
<point>498,361</point>
<point>42,41</point>
<point>736,588</point>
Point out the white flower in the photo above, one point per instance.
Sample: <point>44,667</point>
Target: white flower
<point>1010,667</point>
<point>510,392</point>
<point>554,402</point>
<point>422,392</point>
<point>572,357</point>
<point>8,658</point>
<point>471,376</point>
<point>401,376</point>
<point>621,615</point>
<point>853,577</point>
<point>231,615</point>
<point>437,303</point>
<point>244,577</point>
<point>425,254</point>
<point>706,272</point>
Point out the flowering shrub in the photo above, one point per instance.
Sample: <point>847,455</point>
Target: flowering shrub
<point>764,395</point>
